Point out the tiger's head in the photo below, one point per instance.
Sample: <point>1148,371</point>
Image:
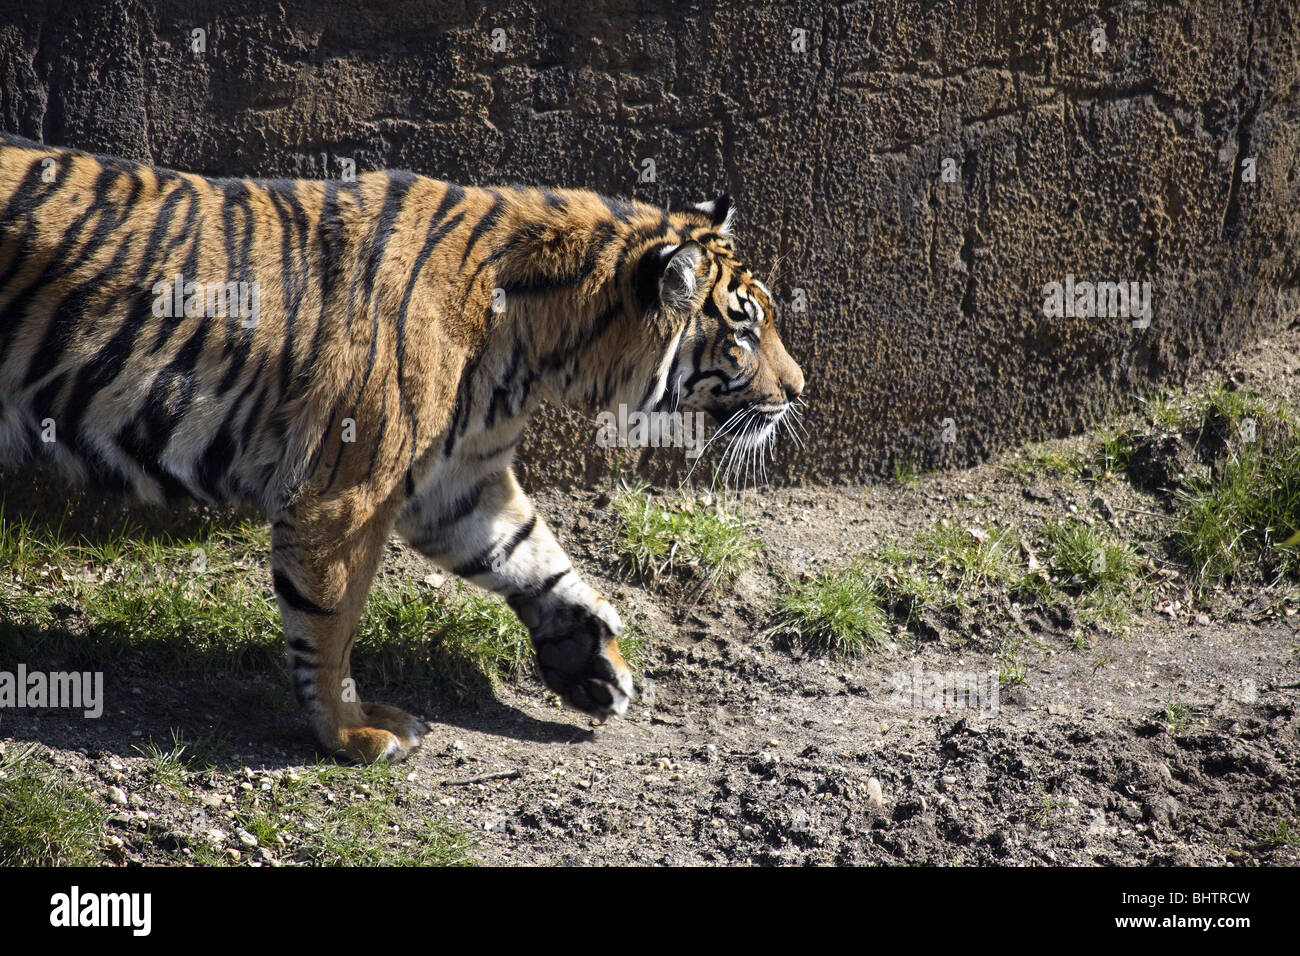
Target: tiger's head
<point>725,357</point>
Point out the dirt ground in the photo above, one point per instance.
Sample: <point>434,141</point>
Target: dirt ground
<point>1172,740</point>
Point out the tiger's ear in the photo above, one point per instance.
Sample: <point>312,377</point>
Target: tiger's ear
<point>719,211</point>
<point>677,276</point>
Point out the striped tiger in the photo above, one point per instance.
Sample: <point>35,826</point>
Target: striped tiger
<point>354,357</point>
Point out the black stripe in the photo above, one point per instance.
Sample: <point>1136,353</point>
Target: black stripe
<point>300,647</point>
<point>334,472</point>
<point>379,436</point>
<point>399,184</point>
<point>663,229</point>
<point>490,219</point>
<point>541,588</point>
<point>437,232</point>
<point>461,507</point>
<point>320,443</point>
<point>149,432</point>
<point>250,423</point>
<point>295,598</point>
<point>331,237</point>
<point>502,449</point>
<point>236,197</point>
<point>461,409</point>
<point>483,562</point>
<point>188,267</point>
<point>501,392</point>
<point>62,262</point>
<point>68,314</point>
<point>621,210</point>
<point>293,231</point>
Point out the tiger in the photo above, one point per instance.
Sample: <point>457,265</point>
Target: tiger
<point>367,363</point>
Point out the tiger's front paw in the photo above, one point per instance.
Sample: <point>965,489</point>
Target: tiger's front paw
<point>577,651</point>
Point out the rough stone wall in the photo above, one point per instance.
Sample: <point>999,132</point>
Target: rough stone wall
<point>1108,143</point>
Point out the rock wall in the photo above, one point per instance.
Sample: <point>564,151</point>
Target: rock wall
<point>915,173</point>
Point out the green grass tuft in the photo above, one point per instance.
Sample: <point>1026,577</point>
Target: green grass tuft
<point>1282,833</point>
<point>657,538</point>
<point>1087,557</point>
<point>458,637</point>
<point>973,556</point>
<point>359,826</point>
<point>1114,450</point>
<point>910,585</point>
<point>43,820</point>
<point>838,611</point>
<point>1245,516</point>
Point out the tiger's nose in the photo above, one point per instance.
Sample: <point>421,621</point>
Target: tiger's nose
<point>793,388</point>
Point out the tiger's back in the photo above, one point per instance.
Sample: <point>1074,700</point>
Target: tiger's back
<point>176,336</point>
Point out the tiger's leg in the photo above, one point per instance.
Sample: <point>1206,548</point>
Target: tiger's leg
<point>488,533</point>
<point>321,577</point>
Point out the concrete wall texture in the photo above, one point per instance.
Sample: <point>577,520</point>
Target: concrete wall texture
<point>922,170</point>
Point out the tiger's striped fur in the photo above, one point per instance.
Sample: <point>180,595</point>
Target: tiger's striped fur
<point>405,330</point>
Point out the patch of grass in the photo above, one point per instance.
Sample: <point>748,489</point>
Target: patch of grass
<point>1011,664</point>
<point>28,547</point>
<point>1035,585</point>
<point>973,556</point>
<point>1087,557</point>
<point>1245,516</point>
<point>41,552</point>
<point>202,605</point>
<point>188,623</point>
<point>1225,405</point>
<point>1174,716</point>
<point>362,825</point>
<point>1167,409</point>
<point>1037,459</point>
<point>906,471</point>
<point>43,820</point>
<point>656,538</point>
<point>908,585</point>
<point>458,637</point>
<point>1041,815</point>
<point>167,765</point>
<point>1282,833</point>
<point>837,611</point>
<point>1114,450</point>
<point>195,605</point>
<point>1092,566</point>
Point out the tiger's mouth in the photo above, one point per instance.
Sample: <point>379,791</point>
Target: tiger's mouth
<point>769,413</point>
<point>746,434</point>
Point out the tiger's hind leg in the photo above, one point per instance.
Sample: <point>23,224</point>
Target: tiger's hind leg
<point>321,577</point>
